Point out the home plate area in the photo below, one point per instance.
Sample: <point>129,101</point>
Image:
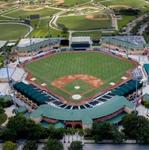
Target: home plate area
<point>76,97</point>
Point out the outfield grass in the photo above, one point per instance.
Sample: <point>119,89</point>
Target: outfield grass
<point>81,23</point>
<point>102,66</point>
<point>12,31</point>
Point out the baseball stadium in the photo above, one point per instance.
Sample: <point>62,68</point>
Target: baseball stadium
<point>74,88</point>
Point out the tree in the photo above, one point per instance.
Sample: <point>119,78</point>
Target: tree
<point>53,144</point>
<point>8,134</point>
<point>106,131</point>
<point>1,110</point>
<point>30,145</point>
<point>55,133</point>
<point>26,128</point>
<point>87,132</point>
<point>76,145</point>
<point>136,127</point>
<point>8,145</point>
<point>146,104</point>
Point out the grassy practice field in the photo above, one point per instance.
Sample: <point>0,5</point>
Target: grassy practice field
<point>125,20</point>
<point>141,4</point>
<point>12,31</point>
<point>74,2</point>
<point>23,14</point>
<point>81,23</point>
<point>99,65</point>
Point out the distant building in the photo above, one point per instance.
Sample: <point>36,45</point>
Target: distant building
<point>81,43</point>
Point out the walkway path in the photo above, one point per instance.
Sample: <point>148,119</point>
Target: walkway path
<point>53,21</point>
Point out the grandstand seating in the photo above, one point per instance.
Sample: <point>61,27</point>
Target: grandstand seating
<point>40,97</point>
<point>130,42</point>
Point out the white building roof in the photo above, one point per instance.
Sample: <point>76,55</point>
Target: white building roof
<point>2,43</point>
<point>81,39</point>
<point>3,73</point>
<point>28,41</point>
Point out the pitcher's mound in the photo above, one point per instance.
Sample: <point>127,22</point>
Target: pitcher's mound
<point>77,87</point>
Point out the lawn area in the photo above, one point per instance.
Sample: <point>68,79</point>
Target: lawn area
<point>24,14</point>
<point>102,66</point>
<point>1,61</point>
<point>3,118</point>
<point>74,2</point>
<point>43,30</point>
<point>125,20</point>
<point>81,23</point>
<point>12,31</point>
<point>141,4</point>
<point>94,35</point>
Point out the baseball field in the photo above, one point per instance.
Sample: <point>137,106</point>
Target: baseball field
<point>78,73</point>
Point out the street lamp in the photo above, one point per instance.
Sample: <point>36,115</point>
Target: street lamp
<point>137,79</point>
<point>6,55</point>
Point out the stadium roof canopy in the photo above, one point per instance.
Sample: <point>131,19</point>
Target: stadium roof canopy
<point>84,115</point>
<point>146,45</point>
<point>146,67</point>
<point>31,92</point>
<point>126,88</point>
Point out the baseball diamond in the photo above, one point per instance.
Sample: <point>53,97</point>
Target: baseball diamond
<point>92,72</point>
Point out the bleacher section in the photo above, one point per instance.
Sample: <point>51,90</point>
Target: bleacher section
<point>130,42</point>
<point>35,44</point>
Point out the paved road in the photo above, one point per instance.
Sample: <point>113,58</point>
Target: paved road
<point>115,147</point>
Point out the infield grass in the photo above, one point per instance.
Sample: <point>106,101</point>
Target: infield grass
<point>83,87</point>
